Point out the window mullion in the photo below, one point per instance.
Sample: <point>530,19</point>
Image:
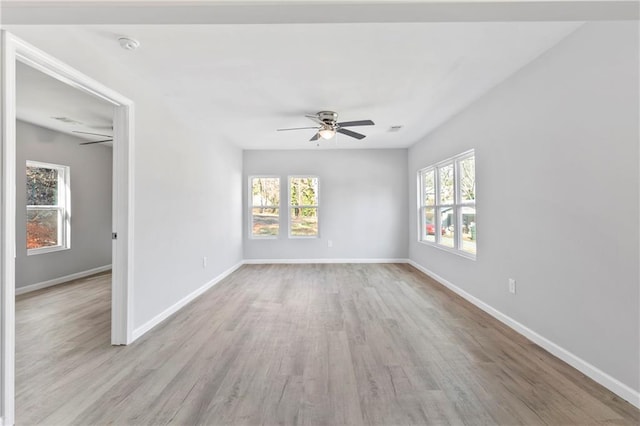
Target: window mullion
<point>437,211</point>
<point>422,195</point>
<point>456,211</point>
<point>61,232</point>
<point>44,207</point>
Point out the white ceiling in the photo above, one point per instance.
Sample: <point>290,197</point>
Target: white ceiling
<point>243,81</point>
<point>41,99</point>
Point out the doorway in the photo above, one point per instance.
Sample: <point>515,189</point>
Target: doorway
<point>63,182</point>
<point>15,50</point>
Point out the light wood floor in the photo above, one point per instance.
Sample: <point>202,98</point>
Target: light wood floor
<point>296,344</point>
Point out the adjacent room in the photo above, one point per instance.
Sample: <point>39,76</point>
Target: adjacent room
<point>63,260</point>
<point>344,213</point>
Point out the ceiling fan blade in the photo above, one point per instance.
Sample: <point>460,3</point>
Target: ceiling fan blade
<point>92,142</point>
<point>356,123</point>
<point>297,128</point>
<point>95,134</point>
<point>314,118</point>
<point>350,133</point>
<point>315,137</point>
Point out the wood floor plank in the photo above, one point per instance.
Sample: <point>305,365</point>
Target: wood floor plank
<point>318,344</point>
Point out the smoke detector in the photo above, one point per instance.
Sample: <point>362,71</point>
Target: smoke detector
<point>128,43</point>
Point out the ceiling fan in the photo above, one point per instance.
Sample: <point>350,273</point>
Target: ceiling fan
<point>328,126</point>
<point>94,134</point>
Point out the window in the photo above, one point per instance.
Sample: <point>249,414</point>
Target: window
<point>448,204</point>
<point>48,202</point>
<point>303,206</point>
<point>265,207</point>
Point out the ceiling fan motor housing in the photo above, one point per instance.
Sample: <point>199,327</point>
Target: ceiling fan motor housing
<point>328,117</point>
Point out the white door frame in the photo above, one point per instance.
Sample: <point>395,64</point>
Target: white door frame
<point>13,50</point>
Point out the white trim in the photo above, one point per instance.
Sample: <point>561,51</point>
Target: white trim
<point>122,224</point>
<point>138,332</point>
<point>614,385</point>
<point>300,261</point>
<point>7,225</point>
<point>61,280</point>
<point>461,253</point>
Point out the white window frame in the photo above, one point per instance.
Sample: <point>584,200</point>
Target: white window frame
<point>63,207</point>
<point>290,206</point>
<point>457,205</point>
<point>251,207</point>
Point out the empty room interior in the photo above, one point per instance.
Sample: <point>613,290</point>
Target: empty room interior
<point>356,212</point>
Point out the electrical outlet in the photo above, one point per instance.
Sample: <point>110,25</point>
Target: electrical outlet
<point>512,286</point>
<point>330,243</point>
<point>204,262</point>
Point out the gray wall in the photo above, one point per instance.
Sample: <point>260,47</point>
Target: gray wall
<point>363,194</point>
<point>91,170</point>
<point>557,184</point>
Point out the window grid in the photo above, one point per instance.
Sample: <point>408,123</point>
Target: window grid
<point>296,210</point>
<point>264,225</point>
<point>61,207</point>
<point>450,233</point>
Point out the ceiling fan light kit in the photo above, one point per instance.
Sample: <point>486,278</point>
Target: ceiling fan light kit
<point>328,126</point>
<point>327,133</point>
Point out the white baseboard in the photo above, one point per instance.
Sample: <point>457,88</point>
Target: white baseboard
<point>181,303</point>
<point>60,280</point>
<point>614,385</point>
<point>299,261</point>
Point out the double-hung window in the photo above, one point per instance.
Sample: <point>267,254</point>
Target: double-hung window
<point>448,204</point>
<point>48,208</point>
<point>303,206</point>
<point>265,206</point>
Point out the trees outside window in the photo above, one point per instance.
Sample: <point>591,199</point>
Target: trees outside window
<point>447,204</point>
<point>48,207</point>
<point>265,206</point>
<point>303,206</point>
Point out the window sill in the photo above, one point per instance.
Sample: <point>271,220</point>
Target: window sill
<point>460,253</point>
<point>43,250</point>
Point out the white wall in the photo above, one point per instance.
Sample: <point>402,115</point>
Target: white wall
<point>558,197</point>
<point>187,186</point>
<point>91,170</point>
<point>188,206</point>
<point>362,203</point>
